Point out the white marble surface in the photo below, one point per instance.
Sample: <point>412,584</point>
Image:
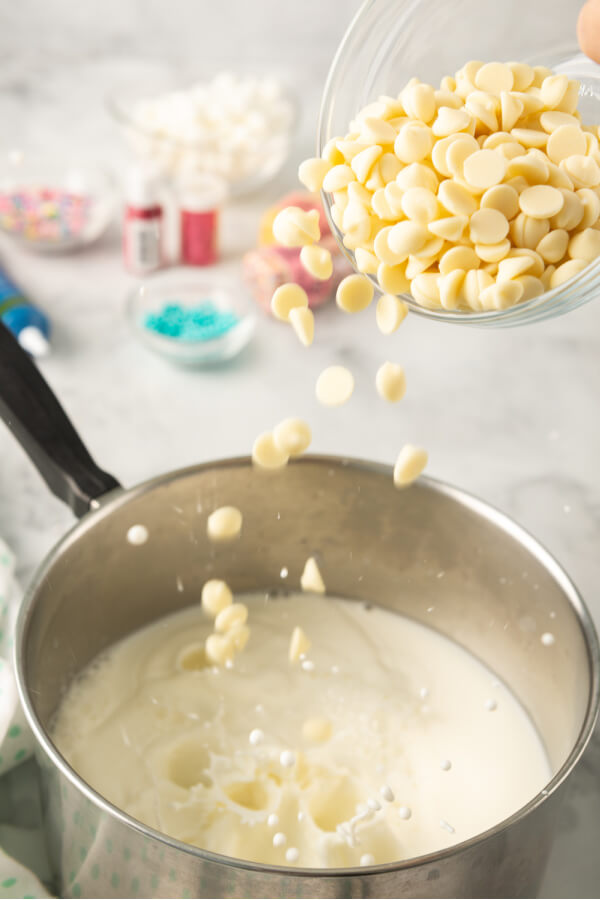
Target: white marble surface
<point>511,415</point>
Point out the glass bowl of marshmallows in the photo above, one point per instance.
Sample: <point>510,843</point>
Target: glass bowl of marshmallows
<point>459,161</point>
<point>235,126</point>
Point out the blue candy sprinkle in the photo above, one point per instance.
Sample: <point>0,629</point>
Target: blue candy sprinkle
<point>203,322</point>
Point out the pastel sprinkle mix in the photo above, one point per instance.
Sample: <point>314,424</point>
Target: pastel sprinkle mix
<point>44,214</point>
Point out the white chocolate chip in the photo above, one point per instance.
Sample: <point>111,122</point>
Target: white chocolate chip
<point>302,321</point>
<point>523,75</point>
<point>425,288</point>
<point>299,645</point>
<point>409,465</point>
<point>317,262</point>
<point>295,227</point>
<point>449,121</point>
<point>232,616</point>
<point>564,142</point>
<point>219,648</point>
<point>536,263</point>
<point>456,198</point>
<point>393,279</point>
<point>334,386</point>
<point>419,102</point>
<point>216,596</point>
<point>137,535</point>
<point>550,120</point>
<point>553,246</point>
<point>571,214</point>
<point>266,454</point>
<point>390,381</point>
<point>457,152</point>
<point>484,169</point>
<point>583,171</point>
<point>286,298</point>
<point>534,169</point>
<point>406,238</point>
<point>312,172</point>
<point>390,313</point>
<point>532,287</point>
<point>512,267</point>
<point>591,207</point>
<point>224,524</point>
<point>541,201</point>
<point>488,226</point>
<point>451,228</point>
<point>503,198</point>
<point>553,89</point>
<point>311,579</point>
<point>362,164</point>
<point>419,205</point>
<point>414,142</point>
<point>530,137</point>
<point>292,436</point>
<point>511,109</point>
<point>378,131</point>
<point>494,77</point>
<point>366,261</point>
<point>493,253</point>
<point>337,178</point>
<point>416,175</point>
<point>354,293</point>
<point>585,245</point>
<point>451,288</point>
<point>458,258</point>
<point>502,295</point>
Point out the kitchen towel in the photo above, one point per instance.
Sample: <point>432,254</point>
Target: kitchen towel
<point>22,854</point>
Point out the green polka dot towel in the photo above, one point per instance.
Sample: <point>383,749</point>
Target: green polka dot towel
<point>16,745</point>
<point>16,741</point>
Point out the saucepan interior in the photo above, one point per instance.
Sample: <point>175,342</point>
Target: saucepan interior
<point>499,592</point>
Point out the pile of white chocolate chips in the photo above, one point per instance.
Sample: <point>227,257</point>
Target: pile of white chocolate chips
<point>475,196</point>
<point>478,195</point>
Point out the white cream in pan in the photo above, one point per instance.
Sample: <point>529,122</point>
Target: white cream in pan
<point>386,742</point>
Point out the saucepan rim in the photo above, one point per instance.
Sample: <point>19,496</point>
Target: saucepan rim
<point>119,497</point>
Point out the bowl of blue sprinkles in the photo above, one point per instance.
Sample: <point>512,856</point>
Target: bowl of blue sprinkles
<point>191,323</point>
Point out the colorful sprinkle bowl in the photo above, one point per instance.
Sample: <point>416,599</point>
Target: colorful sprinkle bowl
<point>52,206</point>
<point>194,323</point>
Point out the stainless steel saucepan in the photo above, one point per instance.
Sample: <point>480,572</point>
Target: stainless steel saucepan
<point>377,544</point>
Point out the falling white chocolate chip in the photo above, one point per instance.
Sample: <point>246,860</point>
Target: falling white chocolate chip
<point>137,535</point>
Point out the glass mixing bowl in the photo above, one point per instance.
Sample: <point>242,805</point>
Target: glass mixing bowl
<point>389,41</point>
<point>183,292</point>
<point>259,157</point>
<point>54,205</point>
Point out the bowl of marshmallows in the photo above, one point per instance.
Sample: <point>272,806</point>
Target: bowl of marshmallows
<point>233,126</point>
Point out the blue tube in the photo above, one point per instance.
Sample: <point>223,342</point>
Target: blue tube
<point>28,324</point>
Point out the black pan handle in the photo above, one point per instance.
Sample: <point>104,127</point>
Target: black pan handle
<point>43,429</point>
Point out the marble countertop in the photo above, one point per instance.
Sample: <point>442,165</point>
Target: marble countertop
<point>510,415</point>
